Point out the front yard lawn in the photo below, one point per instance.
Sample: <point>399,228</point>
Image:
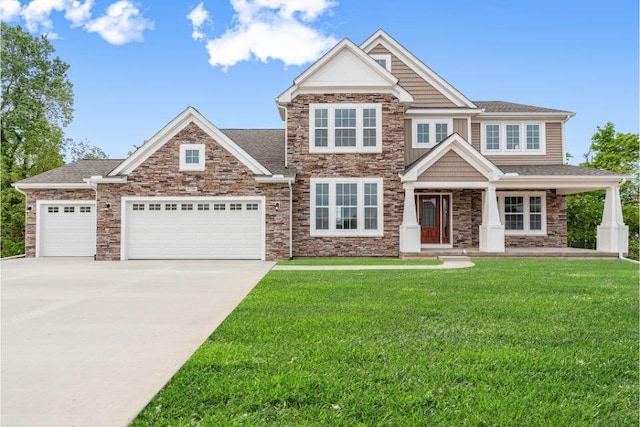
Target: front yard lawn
<point>359,261</point>
<point>508,342</point>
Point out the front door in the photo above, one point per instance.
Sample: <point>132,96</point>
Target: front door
<point>434,218</point>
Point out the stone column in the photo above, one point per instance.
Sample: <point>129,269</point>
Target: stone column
<point>410,229</point>
<point>491,230</point>
<point>613,235</point>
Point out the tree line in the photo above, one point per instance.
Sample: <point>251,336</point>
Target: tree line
<point>37,103</point>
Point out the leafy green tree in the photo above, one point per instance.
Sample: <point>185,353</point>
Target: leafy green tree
<point>37,102</point>
<point>82,149</point>
<point>617,152</point>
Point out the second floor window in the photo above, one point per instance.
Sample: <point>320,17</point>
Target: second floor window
<point>428,132</point>
<point>348,128</point>
<point>513,138</point>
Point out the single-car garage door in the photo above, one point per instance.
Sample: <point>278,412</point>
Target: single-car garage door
<point>66,228</point>
<point>188,229</point>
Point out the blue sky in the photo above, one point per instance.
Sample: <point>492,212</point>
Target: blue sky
<point>137,64</point>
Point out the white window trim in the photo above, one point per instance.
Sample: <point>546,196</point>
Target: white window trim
<point>331,148</point>
<point>432,131</point>
<point>386,57</point>
<point>502,151</point>
<point>184,166</point>
<point>526,232</point>
<point>332,231</point>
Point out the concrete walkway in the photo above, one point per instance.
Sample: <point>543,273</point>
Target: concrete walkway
<point>88,343</point>
<point>448,262</point>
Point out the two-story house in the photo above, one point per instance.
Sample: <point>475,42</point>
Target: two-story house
<point>379,156</point>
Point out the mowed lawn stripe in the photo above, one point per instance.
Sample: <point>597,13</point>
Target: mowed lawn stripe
<point>508,342</point>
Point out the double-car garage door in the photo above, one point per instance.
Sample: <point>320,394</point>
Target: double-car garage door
<point>159,228</point>
<point>194,229</point>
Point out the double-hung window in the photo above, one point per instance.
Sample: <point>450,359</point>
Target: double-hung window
<point>346,207</point>
<point>513,138</point>
<point>523,213</point>
<point>428,132</point>
<point>192,157</point>
<point>345,128</point>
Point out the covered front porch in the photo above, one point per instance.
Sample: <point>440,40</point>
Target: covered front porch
<point>457,201</point>
<point>555,253</point>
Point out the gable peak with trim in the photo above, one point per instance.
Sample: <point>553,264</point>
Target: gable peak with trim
<point>344,69</point>
<point>171,129</point>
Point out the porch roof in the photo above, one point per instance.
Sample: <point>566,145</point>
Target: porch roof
<point>555,170</point>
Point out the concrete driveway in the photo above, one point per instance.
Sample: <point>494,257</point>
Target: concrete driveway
<point>88,343</point>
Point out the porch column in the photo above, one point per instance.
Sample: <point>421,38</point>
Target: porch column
<point>613,235</point>
<point>491,230</point>
<point>410,229</point>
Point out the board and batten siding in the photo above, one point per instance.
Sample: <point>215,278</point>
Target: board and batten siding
<point>554,156</point>
<point>424,94</point>
<point>412,154</point>
<point>452,168</point>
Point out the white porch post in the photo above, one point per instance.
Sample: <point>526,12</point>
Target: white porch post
<point>410,229</point>
<point>613,235</point>
<point>491,230</point>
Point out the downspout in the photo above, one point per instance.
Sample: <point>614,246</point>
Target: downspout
<point>20,191</point>
<point>290,220</point>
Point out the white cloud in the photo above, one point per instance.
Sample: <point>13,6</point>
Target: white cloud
<point>9,10</point>
<point>36,14</point>
<point>78,13</point>
<point>123,23</point>
<point>271,29</point>
<point>198,17</point>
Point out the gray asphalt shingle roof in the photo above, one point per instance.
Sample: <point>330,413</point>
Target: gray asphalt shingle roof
<point>512,107</point>
<point>267,146</point>
<point>73,173</point>
<point>555,170</point>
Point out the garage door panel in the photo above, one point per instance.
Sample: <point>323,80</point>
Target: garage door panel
<point>194,230</point>
<point>67,229</point>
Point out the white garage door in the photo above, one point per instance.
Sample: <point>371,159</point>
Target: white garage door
<point>67,229</point>
<point>179,229</point>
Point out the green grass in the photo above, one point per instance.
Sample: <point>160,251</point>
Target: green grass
<point>506,343</point>
<point>359,261</point>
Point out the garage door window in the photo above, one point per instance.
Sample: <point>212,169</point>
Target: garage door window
<point>252,206</point>
<point>85,209</point>
<point>170,207</point>
<point>235,206</point>
<point>52,209</point>
<point>154,206</point>
<point>186,207</point>
<point>138,206</point>
<point>69,209</point>
<point>203,206</point>
<point>219,206</point>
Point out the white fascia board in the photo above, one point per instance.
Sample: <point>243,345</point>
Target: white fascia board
<point>106,180</point>
<point>172,128</point>
<point>563,117</point>
<point>572,184</point>
<point>411,112</point>
<point>275,179</point>
<point>381,37</point>
<point>52,186</point>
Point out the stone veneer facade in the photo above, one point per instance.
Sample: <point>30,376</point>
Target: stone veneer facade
<point>49,194</point>
<point>385,165</point>
<point>224,175</point>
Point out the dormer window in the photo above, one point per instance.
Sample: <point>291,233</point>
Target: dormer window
<point>345,128</point>
<point>192,157</point>
<point>384,60</point>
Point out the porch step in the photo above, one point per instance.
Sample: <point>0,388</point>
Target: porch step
<point>454,258</point>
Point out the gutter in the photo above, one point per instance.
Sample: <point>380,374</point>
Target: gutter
<point>19,190</point>
<point>290,220</point>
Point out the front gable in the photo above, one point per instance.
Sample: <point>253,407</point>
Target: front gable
<point>453,160</point>
<point>345,69</point>
<point>426,86</point>
<point>188,120</point>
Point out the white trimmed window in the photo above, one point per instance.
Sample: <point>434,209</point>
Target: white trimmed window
<point>384,60</point>
<point>191,157</point>
<point>523,213</point>
<point>346,207</point>
<point>428,132</point>
<point>345,128</point>
<point>513,138</point>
